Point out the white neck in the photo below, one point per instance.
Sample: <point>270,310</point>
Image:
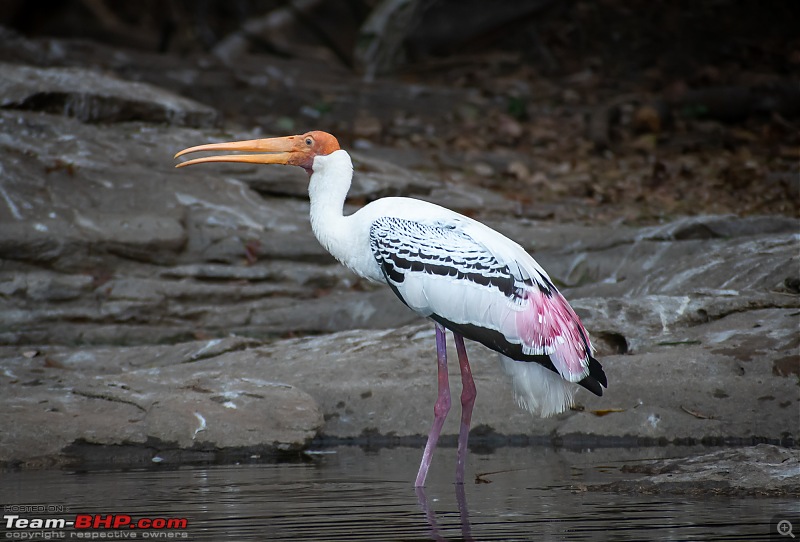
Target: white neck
<point>327,190</point>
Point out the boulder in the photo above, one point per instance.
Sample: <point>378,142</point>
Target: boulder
<point>92,96</point>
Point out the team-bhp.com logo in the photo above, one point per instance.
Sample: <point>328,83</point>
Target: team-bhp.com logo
<point>93,526</point>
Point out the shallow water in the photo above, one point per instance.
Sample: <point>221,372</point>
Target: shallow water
<point>347,493</point>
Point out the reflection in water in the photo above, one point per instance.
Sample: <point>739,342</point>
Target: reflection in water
<point>351,494</point>
<point>463,512</point>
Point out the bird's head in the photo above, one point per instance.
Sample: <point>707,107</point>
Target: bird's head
<point>296,150</point>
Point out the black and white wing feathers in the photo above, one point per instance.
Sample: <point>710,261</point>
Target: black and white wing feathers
<point>508,303</point>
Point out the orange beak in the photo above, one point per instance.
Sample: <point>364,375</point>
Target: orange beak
<point>289,150</point>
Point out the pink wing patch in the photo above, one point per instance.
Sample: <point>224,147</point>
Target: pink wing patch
<point>548,325</point>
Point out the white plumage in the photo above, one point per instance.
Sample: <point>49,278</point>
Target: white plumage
<point>538,390</point>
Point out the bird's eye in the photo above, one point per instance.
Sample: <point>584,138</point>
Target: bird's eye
<point>309,141</point>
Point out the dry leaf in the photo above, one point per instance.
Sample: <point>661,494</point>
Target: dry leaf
<point>606,411</point>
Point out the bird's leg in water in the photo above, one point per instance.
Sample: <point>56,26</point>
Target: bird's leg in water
<point>468,394</point>
<point>440,409</point>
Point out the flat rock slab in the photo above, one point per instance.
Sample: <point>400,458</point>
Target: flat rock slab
<point>182,398</point>
<point>92,96</point>
<point>380,386</point>
<point>763,470</point>
<point>383,383</point>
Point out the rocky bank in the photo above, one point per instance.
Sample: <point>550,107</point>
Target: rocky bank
<point>187,314</point>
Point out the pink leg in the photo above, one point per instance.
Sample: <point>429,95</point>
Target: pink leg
<point>440,409</point>
<point>468,394</point>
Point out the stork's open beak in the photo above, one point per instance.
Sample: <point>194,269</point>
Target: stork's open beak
<point>289,150</point>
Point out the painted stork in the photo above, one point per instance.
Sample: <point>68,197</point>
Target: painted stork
<point>461,274</point>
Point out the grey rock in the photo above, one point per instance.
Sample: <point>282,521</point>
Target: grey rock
<point>187,301</point>
<point>279,90</point>
<point>95,205</point>
<point>91,96</point>
<point>384,382</point>
<point>720,227</point>
<point>122,281</point>
<point>717,384</point>
<point>763,470</point>
<point>198,253</point>
<point>178,398</point>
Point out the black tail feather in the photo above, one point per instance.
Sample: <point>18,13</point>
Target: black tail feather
<point>596,378</point>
